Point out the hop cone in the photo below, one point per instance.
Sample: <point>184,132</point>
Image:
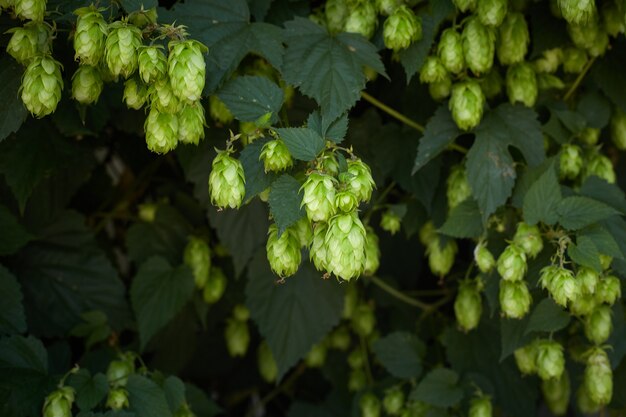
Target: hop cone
<point>613,18</point>
<point>589,136</point>
<point>387,7</point>
<point>574,60</point>
<point>87,84</point>
<point>336,13</point>
<point>450,51</point>
<point>363,320</point>
<point>161,131</point>
<point>468,306</point>
<point>561,284</point>
<point>237,337</point>
<point>599,324</point>
<point>304,231</point>
<point>390,222</point>
<point>135,94</point>
<point>491,84</point>
<point>598,378</point>
<point>605,261</point>
<point>484,258</point>
<point>513,40</point>
<point>570,161</point>
<point>481,406</point>
<point>90,37</point>
<point>478,46</point>
<point>360,180</point>
<point>549,61</point>
<point>163,97</point>
<point>466,104</point>
<point>120,52</point>
<point>197,257</point>
<point>218,111</point>
<point>600,166</point>
<point>191,123</point>
<point>369,405</point>
<point>119,370</point>
<point>372,252</point>
<point>556,392</point>
<point>117,399</point>
<point>328,163</point>
<point>441,259</point>
<point>283,252</point>
<point>345,246</point>
<point>152,64</point>
<point>59,403</point>
<point>401,29</point>
<point>215,286</point>
<point>42,85</point>
<point>515,299</point>
<point>528,238</point>
<point>458,188</point>
<point>583,305</point>
<point>521,84</point>
<point>319,197</point>
<point>317,355</point>
<point>618,129</point>
<point>465,5</point>
<point>317,252</point>
<point>609,290</point>
<point>427,233</point>
<point>525,358</point>
<point>433,70</point>
<point>28,41</point>
<point>440,90</point>
<point>30,9</point>
<point>267,364</point>
<point>275,156</point>
<point>550,359</point>
<point>226,182</point>
<point>361,18</point>
<point>588,279</point>
<point>345,202</point>
<point>584,402</point>
<point>491,12</point>
<point>584,35</point>
<point>393,401</point>
<point>186,69</point>
<point>512,263</point>
<point>577,11</point>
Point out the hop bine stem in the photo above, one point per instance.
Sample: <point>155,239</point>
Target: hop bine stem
<point>405,298</point>
<point>579,79</point>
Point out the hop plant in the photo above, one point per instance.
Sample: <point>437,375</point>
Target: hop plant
<point>359,180</point>
<point>512,263</point>
<point>450,51</point>
<point>135,94</point>
<point>491,12</point>
<point>577,11</point>
<point>345,246</point>
<point>440,90</point>
<point>186,69</point>
<point>226,181</point>
<point>599,324</point>
<point>283,252</point>
<point>361,18</point>
<point>317,355</point>
<point>319,197</point>
<point>609,290</point>
<point>117,399</point>
<point>59,403</point>
<point>317,252</point>
<point>513,40</point>
<point>549,61</point>
<point>163,98</point>
<point>41,87</point>
<point>219,111</point>
<point>28,41</point>
<point>30,9</point>
<point>480,406</point>
<point>556,392</point>
<point>197,257</point>
<point>458,188</point>
<point>191,123</point>
<point>466,104</point>
<point>87,84</point>
<point>598,377</point>
<point>267,364</point>
<point>372,252</point>
<point>363,320</point>
<point>393,401</point>
<point>570,161</point>
<point>370,405</point>
<point>468,305</point>
<point>515,299</point>
<point>561,284</point>
<point>484,258</point>
<point>478,46</point>
<point>550,359</point>
<point>237,337</point>
<point>529,239</point>
<point>90,37</point>
<point>161,131</point>
<point>336,13</point>
<point>441,259</point>
<point>120,51</point>
<point>600,166</point>
<point>433,70</point>
<point>521,84</point>
<point>401,29</point>
<point>465,5</point>
<point>574,60</point>
<point>390,221</point>
<point>152,64</point>
<point>525,358</point>
<point>618,129</point>
<point>120,369</point>
<point>588,279</point>
<point>276,156</point>
<point>215,286</point>
<point>304,231</point>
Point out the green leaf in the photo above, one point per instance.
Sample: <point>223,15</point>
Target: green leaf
<point>200,403</point>
<point>334,130</point>
<point>327,68</point>
<point>89,390</point>
<point>595,108</point>
<point>577,212</point>
<point>146,398</point>
<point>608,79</point>
<point>600,190</point>
<point>401,354</point>
<point>303,143</point>
<point>12,111</point>
<point>512,335</point>
<point>292,317</point>
<point>542,199</point>
<point>157,294</point>
<point>284,201</point>
<point>439,388</point>
<point>251,97</point>
<point>547,316</point>
<point>94,329</point>
<point>584,252</point>
<point>14,235</point>
<point>463,221</point>
<point>522,130</point>
<point>440,132</point>
<point>12,318</point>
<point>602,239</point>
<point>257,180</point>
<point>174,390</point>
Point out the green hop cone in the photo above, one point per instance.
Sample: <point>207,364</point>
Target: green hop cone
<point>184,411</point>
<point>266,362</point>
<point>328,163</point>
<point>584,402</point>
<point>357,380</point>
<point>600,44</point>
<point>589,136</point>
<point>87,84</point>
<point>556,393</point>
<point>283,252</point>
<point>161,131</point>
<point>304,230</point>
<point>120,51</point>
<point>345,202</point>
<point>549,61</point>
<point>450,51</point>
<point>613,18</point>
<point>319,197</point>
<point>433,70</point>
<point>401,29</point>
<point>513,40</point>
<point>492,12</point>
<point>583,305</point>
<point>605,261</point>
<point>370,406</point>
<point>142,18</point>
<point>598,377</point>
<point>588,279</point>
<point>609,290</point>
<point>525,358</point>
<point>117,399</point>
<point>440,90</point>
<point>570,161</point>
<point>361,18</point>
<point>480,406</point>
<point>215,286</point>
<point>521,84</point>
<point>219,111</point>
<point>119,370</point>
<point>317,251</point>
<point>491,84</point>
<point>618,128</point>
<point>478,46</point>
<point>356,359</point>
<point>363,320</point>
<point>28,41</point>
<point>578,11</point>
<point>441,259</point>
<point>147,212</point>
<point>30,9</point>
<point>226,182</point>
<point>599,324</point>
<point>191,123</point>
<point>340,338</point>
<point>390,222</point>
<point>90,37</point>
<point>152,64</point>
<point>550,359</point>
<point>360,180</point>
<point>515,299</point>
<point>241,313</point>
<point>345,246</point>
<point>458,188</point>
<point>163,98</point>
<point>393,401</point>
<point>465,5</point>
<point>574,60</point>
<point>529,239</point>
<point>600,166</point>
<point>197,256</point>
<point>237,337</point>
<point>511,263</point>
<point>561,283</point>
<point>41,87</point>
<point>316,356</point>
<point>484,258</point>
<point>466,104</point>
<point>276,156</point>
<point>468,306</point>
<point>585,35</point>
<point>186,68</point>
<point>59,403</point>
<point>135,94</point>
<point>387,7</point>
<point>427,233</point>
<point>549,82</point>
<point>336,13</point>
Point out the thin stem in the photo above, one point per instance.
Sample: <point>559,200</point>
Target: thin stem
<point>368,369</point>
<point>579,79</point>
<point>400,295</point>
<point>392,112</point>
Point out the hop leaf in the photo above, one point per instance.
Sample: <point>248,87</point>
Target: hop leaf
<point>219,111</point>
<point>226,181</point>
<point>90,36</point>
<point>87,84</point>
<point>283,252</point>
<point>120,51</point>
<point>466,104</point>
<point>152,64</point>
<point>513,40</point>
<point>491,12</point>
<point>191,123</point>
<point>450,51</point>
<point>515,299</point>
<point>161,131</point>
<point>30,9</point>
<point>478,46</point>
<point>42,85</point>
<point>186,68</point>
<point>319,197</point>
<point>276,156</point>
<point>401,29</point>
<point>345,246</point>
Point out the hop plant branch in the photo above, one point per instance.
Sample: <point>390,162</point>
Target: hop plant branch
<point>405,298</point>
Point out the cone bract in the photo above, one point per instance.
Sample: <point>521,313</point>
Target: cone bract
<point>226,181</point>
<point>512,263</point>
<point>283,252</point>
<point>401,29</point>
<point>360,180</point>
<point>121,47</point>
<point>433,70</point>
<point>345,246</point>
<point>90,37</point>
<point>28,41</point>
<point>152,64</point>
<point>515,299</point>
<point>186,69</point>
<point>41,87</point>
<point>450,51</point>
<point>161,131</point>
<point>466,104</point>
<point>478,46</point>
<point>135,94</point>
<point>87,84</point>
<point>163,98</point>
<point>191,123</point>
<point>276,156</point>
<point>491,12</point>
<point>317,252</point>
<point>513,40</point>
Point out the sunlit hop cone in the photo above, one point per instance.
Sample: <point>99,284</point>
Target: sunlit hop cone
<point>237,337</point>
<point>30,9</point>
<point>561,284</point>
<point>401,29</point>
<point>283,252</point>
<point>360,180</point>
<point>484,258</point>
<point>120,369</point>
<point>117,399</point>
<point>450,51</point>
<point>90,36</point>
<point>599,324</point>
<point>152,64</point>
<point>135,94</point>
<point>218,111</point>
<point>529,239</point>
<point>609,290</point>
<point>226,181</point>
<point>42,85</point>
<point>120,52</point>
<point>266,362</point>
<point>304,230</point>
<point>186,68</point>
<point>317,252</point>
<point>598,379</point>
<point>512,263</point>
<point>191,123</point>
<point>319,196</point>
<point>197,257</point>
<point>163,98</point>
<point>59,403</point>
<point>369,404</point>
<point>578,11</point>
<point>458,188</point>
<point>28,41</point>
<point>361,18</point>
<point>215,286</point>
<point>491,12</point>
<point>556,392</point>
<point>441,259</point>
<point>521,84</point>
<point>465,5</point>
<point>468,305</point>
<point>276,156</point>
<point>161,131</point>
<point>87,84</point>
<point>478,46</point>
<point>345,246</point>
<point>618,128</point>
<point>525,358</point>
<point>515,299</point>
<point>480,407</point>
<point>600,166</point>
<point>390,222</point>
<point>570,161</point>
<point>550,359</point>
<point>588,279</point>
<point>513,40</point>
<point>372,252</point>
<point>433,70</point>
<point>345,202</point>
<point>466,104</point>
